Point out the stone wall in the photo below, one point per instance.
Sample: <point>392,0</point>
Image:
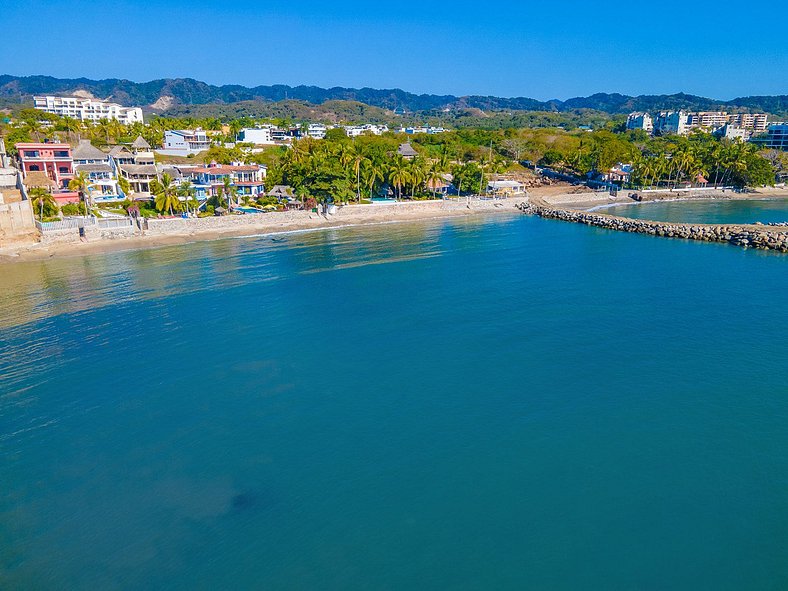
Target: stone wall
<point>765,237</point>
<point>16,222</point>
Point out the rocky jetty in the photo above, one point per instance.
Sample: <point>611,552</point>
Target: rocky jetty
<point>763,237</point>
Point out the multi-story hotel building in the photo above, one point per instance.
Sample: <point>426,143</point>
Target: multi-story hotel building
<point>672,122</point>
<point>87,109</point>
<point>640,121</point>
<point>707,120</point>
<point>757,122</point>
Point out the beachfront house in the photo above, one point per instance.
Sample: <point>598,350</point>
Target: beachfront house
<point>121,155</point>
<point>99,169</point>
<point>52,161</point>
<point>505,188</point>
<point>246,179</point>
<point>139,177</point>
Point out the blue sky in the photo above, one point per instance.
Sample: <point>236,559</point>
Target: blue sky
<point>542,50</point>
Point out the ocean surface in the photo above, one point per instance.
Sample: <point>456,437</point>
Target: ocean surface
<point>706,211</point>
<point>482,403</point>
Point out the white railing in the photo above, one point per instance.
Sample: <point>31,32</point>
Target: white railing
<point>91,222</point>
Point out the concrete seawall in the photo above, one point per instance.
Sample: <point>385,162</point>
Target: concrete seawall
<point>753,236</point>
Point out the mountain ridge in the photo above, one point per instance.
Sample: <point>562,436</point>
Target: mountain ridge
<point>171,92</point>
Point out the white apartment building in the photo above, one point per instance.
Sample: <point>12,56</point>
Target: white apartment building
<point>182,142</point>
<point>709,120</point>
<point>259,136</point>
<point>733,132</point>
<point>672,122</point>
<point>87,109</point>
<point>316,131</point>
<point>757,122</point>
<point>357,130</point>
<point>640,121</point>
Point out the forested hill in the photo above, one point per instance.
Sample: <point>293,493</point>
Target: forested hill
<point>163,94</point>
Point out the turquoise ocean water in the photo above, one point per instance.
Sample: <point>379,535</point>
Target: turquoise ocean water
<point>486,403</point>
<point>705,211</point>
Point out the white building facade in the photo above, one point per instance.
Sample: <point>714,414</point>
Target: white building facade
<point>260,136</point>
<point>640,121</point>
<point>672,123</point>
<point>87,109</point>
<point>183,142</point>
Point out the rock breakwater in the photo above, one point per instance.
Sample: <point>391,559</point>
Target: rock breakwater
<point>763,237</point>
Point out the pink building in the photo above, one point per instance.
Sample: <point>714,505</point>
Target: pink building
<point>52,159</point>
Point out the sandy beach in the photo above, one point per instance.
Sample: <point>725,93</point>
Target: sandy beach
<point>166,232</point>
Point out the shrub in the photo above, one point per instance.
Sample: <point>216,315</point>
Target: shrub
<point>70,209</point>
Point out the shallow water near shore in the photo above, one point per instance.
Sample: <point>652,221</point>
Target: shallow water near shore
<point>480,403</point>
<point>705,211</point>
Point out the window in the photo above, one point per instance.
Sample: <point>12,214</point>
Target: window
<point>61,154</point>
<point>63,169</point>
<point>31,154</point>
<point>34,168</point>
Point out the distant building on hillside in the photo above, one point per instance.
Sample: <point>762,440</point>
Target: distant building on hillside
<point>732,132</point>
<point>756,122</point>
<point>87,109</point>
<point>671,123</point>
<point>681,123</point>
<point>369,128</point>
<point>707,120</point>
<point>183,142</point>
<point>640,121</point>
<point>260,136</point>
<point>316,131</point>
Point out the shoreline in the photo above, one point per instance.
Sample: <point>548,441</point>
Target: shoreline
<point>275,223</point>
<point>177,231</point>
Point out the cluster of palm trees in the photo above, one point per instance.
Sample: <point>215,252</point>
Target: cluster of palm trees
<point>348,171</point>
<point>700,162</point>
<point>172,197</point>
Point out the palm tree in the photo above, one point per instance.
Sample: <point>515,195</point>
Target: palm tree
<point>229,190</point>
<point>358,159</point>
<point>81,184</point>
<point>433,178</point>
<point>398,174</point>
<point>372,174</point>
<point>125,186</point>
<point>166,194</point>
<point>40,199</point>
<point>186,190</point>
<point>417,174</point>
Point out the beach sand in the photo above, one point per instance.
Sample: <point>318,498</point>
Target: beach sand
<point>186,231</point>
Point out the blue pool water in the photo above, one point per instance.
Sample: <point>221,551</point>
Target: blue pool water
<point>487,403</point>
<point>706,211</point>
